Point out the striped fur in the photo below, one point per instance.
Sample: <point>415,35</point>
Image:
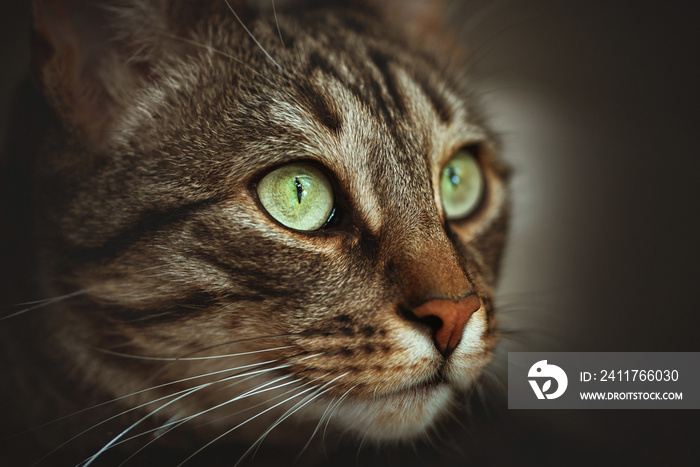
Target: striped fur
<point>150,208</point>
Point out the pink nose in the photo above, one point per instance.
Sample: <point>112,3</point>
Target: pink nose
<point>453,317</point>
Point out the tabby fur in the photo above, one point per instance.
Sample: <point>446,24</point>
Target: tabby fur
<point>160,119</point>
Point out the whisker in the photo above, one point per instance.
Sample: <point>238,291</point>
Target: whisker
<point>213,50</point>
<point>251,392</point>
<point>167,427</point>
<point>318,426</point>
<point>247,408</point>
<point>252,36</point>
<point>277,23</point>
<point>335,409</point>
<point>247,339</point>
<point>330,410</point>
<point>182,395</point>
<point>42,303</point>
<point>359,448</point>
<point>132,409</point>
<point>183,359</point>
<point>269,336</point>
<point>240,425</point>
<point>178,423</point>
<point>186,393</point>
<point>298,406</point>
<point>257,390</point>
<point>111,443</point>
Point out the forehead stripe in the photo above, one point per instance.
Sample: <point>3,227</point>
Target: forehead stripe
<point>320,107</point>
<point>437,100</point>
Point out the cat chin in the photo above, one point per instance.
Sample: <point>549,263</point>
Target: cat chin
<point>402,416</point>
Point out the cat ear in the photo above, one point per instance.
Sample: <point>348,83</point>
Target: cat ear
<point>89,57</point>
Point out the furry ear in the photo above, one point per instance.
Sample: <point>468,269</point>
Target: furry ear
<point>89,57</point>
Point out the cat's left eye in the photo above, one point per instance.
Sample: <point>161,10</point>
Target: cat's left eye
<point>461,185</point>
<point>298,195</point>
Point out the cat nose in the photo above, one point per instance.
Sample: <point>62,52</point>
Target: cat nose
<point>447,318</point>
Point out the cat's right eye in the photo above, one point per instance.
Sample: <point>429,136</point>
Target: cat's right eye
<point>298,195</point>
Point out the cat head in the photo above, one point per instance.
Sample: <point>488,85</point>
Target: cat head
<point>264,212</point>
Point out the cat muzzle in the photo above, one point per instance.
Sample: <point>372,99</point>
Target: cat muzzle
<point>452,317</point>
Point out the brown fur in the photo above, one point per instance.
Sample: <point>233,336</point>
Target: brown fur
<point>144,202</point>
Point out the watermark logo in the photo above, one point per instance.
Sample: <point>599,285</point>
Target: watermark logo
<point>546,373</point>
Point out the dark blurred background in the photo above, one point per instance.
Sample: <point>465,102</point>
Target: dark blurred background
<point>598,105</point>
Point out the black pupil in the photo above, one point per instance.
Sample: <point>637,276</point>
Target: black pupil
<point>300,188</point>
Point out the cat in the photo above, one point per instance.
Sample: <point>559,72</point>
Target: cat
<point>268,222</point>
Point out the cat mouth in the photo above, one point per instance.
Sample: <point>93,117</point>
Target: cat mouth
<point>429,385</point>
<point>439,379</point>
<point>424,387</point>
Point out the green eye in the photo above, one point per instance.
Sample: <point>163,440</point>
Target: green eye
<point>461,184</point>
<point>299,196</point>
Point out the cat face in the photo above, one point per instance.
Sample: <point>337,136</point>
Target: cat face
<point>165,194</point>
